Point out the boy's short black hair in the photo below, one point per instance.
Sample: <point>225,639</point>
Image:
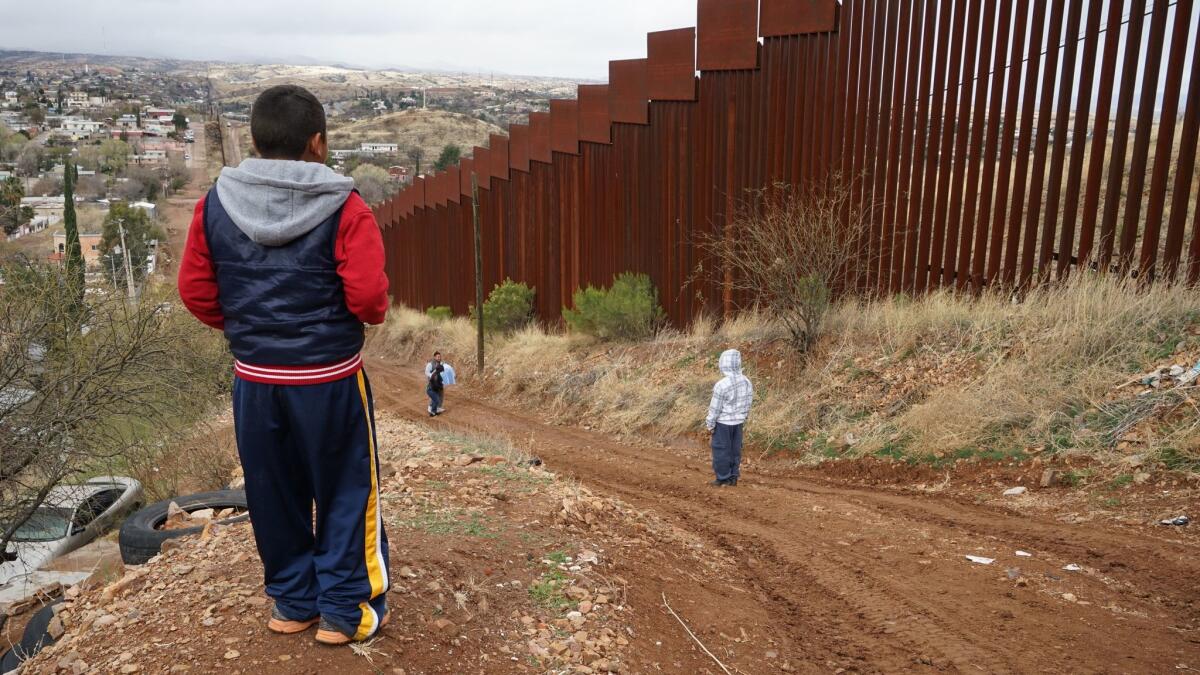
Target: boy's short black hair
<point>283,119</point>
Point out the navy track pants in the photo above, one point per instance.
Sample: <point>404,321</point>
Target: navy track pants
<point>727,451</point>
<point>306,445</point>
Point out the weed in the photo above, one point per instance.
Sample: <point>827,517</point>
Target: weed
<point>548,591</point>
<point>454,522</point>
<point>1121,481</point>
<point>1176,460</point>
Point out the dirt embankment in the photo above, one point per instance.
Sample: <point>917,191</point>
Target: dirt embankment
<point>842,576</point>
<point>793,571</point>
<point>497,566</point>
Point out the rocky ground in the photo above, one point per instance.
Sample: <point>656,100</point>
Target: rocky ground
<point>614,556</point>
<point>497,566</point>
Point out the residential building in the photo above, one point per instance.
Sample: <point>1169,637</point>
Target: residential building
<point>77,99</point>
<point>400,174</point>
<point>164,115</point>
<point>157,129</point>
<point>78,127</point>
<point>49,209</point>
<point>127,134</point>
<point>150,156</point>
<point>380,148</point>
<point>89,245</point>
<point>97,101</point>
<point>10,97</point>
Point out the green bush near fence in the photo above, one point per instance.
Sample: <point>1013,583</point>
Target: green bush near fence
<point>508,308</point>
<point>439,313</point>
<point>628,310</point>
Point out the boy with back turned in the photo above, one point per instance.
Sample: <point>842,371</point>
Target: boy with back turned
<point>287,259</point>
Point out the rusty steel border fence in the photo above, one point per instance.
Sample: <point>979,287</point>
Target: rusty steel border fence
<point>996,142</point>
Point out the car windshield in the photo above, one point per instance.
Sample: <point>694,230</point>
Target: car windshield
<point>46,524</point>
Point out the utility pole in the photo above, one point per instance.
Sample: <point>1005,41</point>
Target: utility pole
<point>128,266</point>
<point>478,272</point>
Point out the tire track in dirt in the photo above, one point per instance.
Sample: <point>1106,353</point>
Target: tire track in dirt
<point>875,580</point>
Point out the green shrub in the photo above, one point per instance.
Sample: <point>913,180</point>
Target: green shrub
<point>629,310</point>
<point>439,313</point>
<point>509,307</point>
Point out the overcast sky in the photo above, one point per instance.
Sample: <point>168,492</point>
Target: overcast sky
<point>570,38</point>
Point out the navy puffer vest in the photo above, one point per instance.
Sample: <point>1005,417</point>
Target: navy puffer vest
<point>283,305</point>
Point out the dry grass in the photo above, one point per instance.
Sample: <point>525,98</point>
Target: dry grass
<point>936,378</point>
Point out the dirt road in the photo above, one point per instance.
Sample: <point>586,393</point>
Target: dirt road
<point>873,580</point>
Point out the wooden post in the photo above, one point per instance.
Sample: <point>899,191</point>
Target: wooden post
<point>478,271</point>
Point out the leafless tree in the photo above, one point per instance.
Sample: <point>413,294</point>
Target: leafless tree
<point>786,248</point>
<point>89,389</point>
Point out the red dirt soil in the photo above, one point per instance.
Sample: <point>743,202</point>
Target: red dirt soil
<point>870,579</point>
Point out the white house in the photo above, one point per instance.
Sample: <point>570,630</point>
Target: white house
<point>78,127</point>
<point>380,148</point>
<point>77,99</point>
<point>128,121</point>
<point>148,207</point>
<point>97,101</point>
<point>156,129</point>
<point>151,156</point>
<point>10,97</point>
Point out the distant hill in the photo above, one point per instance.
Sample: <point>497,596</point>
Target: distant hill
<point>430,129</point>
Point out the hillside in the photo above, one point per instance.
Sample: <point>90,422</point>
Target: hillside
<point>430,129</point>
<point>243,82</point>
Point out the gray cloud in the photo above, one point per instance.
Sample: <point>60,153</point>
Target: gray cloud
<point>531,37</point>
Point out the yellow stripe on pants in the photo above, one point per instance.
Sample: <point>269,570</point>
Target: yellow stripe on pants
<point>374,556</point>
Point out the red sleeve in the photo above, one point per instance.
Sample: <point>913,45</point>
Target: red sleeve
<point>197,278</point>
<point>360,260</point>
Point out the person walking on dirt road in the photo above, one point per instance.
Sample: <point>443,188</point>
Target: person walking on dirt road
<point>286,258</point>
<point>727,414</point>
<point>435,384</point>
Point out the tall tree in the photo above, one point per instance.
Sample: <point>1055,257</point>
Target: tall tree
<point>12,214</point>
<point>415,155</point>
<point>74,253</point>
<point>180,121</point>
<point>451,153</point>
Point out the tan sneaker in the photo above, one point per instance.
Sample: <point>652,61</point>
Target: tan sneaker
<point>285,626</point>
<point>327,634</point>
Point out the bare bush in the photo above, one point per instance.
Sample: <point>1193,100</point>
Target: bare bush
<point>785,250</point>
<point>89,390</point>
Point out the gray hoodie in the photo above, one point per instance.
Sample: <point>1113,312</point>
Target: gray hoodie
<point>276,201</point>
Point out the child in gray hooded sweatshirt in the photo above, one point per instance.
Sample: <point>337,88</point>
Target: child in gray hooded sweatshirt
<point>727,414</point>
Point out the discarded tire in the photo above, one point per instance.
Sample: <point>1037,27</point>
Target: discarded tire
<point>36,637</point>
<point>140,538</point>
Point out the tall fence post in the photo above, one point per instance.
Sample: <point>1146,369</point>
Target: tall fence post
<point>478,272</point>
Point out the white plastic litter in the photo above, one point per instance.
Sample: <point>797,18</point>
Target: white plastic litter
<point>981,560</point>
<point>1073,568</point>
<point>1014,492</point>
<point>1024,554</point>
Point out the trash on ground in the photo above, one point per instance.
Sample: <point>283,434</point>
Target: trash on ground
<point>1189,377</point>
<point>1013,573</point>
<point>1014,492</point>
<point>981,560</point>
<point>1024,554</point>
<point>1073,568</point>
<point>1175,522</point>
